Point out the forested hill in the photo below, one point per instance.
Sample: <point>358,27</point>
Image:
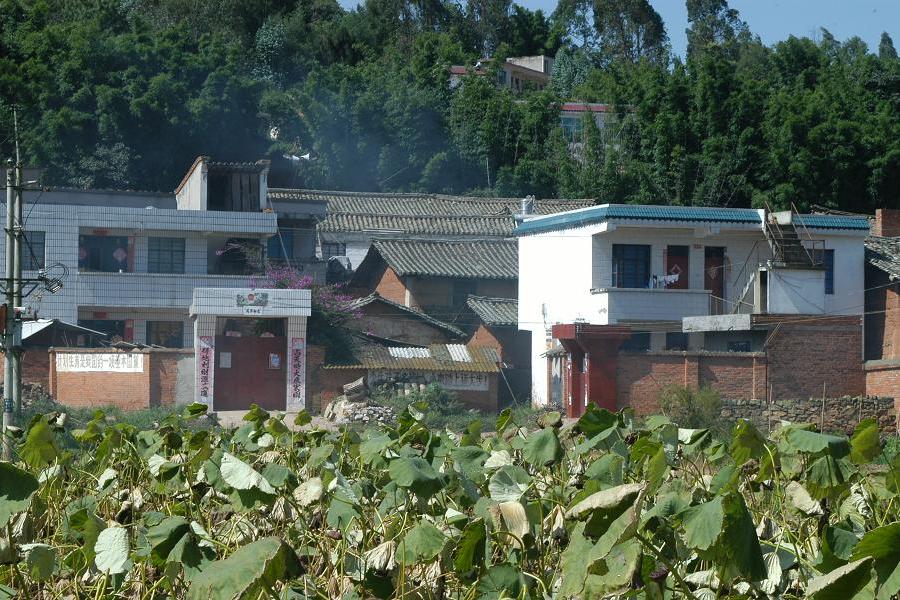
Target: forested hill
<point>125,93</point>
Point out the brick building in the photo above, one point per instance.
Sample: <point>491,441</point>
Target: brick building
<point>882,320</point>
<point>437,276</point>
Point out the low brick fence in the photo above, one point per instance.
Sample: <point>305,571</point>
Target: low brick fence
<point>830,415</point>
<point>130,380</point>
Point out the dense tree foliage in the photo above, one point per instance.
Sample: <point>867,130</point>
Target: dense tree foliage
<point>124,93</point>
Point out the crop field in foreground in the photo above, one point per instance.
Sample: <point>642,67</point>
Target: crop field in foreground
<point>601,509</point>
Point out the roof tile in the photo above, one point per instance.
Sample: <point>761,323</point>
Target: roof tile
<point>498,312</point>
<point>464,259</point>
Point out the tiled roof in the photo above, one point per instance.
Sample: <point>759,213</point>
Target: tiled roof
<point>688,214</point>
<point>467,259</point>
<point>884,253</point>
<point>415,213</point>
<point>499,312</point>
<point>437,357</point>
<point>376,297</point>
<point>834,222</point>
<point>466,226</point>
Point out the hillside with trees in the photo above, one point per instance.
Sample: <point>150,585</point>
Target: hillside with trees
<point>125,93</point>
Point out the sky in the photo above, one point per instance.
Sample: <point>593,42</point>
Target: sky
<point>775,20</point>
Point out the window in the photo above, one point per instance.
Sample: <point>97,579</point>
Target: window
<point>281,245</point>
<point>330,249</point>
<point>829,271</point>
<point>106,253</point>
<point>631,265</point>
<point>676,340</point>
<point>33,250</point>
<point>166,255</point>
<point>169,334</point>
<point>741,346</point>
<point>638,342</point>
<point>114,330</point>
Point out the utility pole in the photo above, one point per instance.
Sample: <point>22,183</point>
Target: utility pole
<point>19,232</point>
<point>10,314</point>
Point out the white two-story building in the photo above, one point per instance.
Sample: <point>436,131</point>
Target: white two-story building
<point>128,262</point>
<point>670,278</point>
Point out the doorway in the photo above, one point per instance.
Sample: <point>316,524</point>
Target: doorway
<point>250,364</point>
<point>714,277</point>
<point>677,262</point>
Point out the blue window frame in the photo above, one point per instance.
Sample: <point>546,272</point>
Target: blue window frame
<point>631,265</point>
<point>276,250</point>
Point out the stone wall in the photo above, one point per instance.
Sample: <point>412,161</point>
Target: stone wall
<point>833,415</point>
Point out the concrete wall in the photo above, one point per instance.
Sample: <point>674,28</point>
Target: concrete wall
<point>796,291</point>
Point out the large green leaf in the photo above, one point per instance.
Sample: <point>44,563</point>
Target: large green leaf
<point>248,572</point>
<point>500,581</point>
<point>813,442</point>
<point>740,541</point>
<point>883,544</point>
<point>595,420</point>
<point>542,447</point>
<point>40,561</point>
<point>509,483</point>
<point>416,474</point>
<point>617,572</point>
<point>112,551</point>
<point>611,501</point>
<point>16,488</point>
<point>746,442</point>
<point>242,476</point>
<point>865,445</point>
<point>39,447</point>
<point>470,548</point>
<point>420,544</point>
<point>470,459</point>
<point>174,540</point>
<point>703,523</point>
<point>842,583</point>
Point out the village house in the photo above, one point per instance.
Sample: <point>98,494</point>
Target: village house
<point>392,323</point>
<point>624,300</point>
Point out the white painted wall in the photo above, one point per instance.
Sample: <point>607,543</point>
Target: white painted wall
<point>192,195</point>
<point>849,272</point>
<point>796,292</point>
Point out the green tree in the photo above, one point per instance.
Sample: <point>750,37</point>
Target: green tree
<point>886,50</point>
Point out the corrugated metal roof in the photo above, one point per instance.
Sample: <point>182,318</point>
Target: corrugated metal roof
<point>459,352</point>
<point>30,328</point>
<point>435,358</point>
<point>463,259</point>
<point>499,312</point>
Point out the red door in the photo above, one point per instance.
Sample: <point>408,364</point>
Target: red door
<point>250,370</point>
<point>714,277</point>
<point>677,261</point>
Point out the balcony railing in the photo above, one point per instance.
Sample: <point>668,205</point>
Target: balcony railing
<point>653,304</point>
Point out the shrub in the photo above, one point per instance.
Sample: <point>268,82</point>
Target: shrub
<point>690,408</point>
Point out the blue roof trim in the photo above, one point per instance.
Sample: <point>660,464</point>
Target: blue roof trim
<point>834,222</point>
<point>694,214</point>
<point>599,214</point>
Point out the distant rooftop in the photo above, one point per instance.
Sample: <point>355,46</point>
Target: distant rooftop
<point>496,312</point>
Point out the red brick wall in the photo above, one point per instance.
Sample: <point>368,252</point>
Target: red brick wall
<point>883,381</point>
<point>742,377</point>
<point>389,322</point>
<point>323,385</point>
<point>35,367</point>
<point>887,222</point>
<point>156,385</point>
<point>391,286</point>
<point>641,377</point>
<point>815,357</point>
<point>514,346</point>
